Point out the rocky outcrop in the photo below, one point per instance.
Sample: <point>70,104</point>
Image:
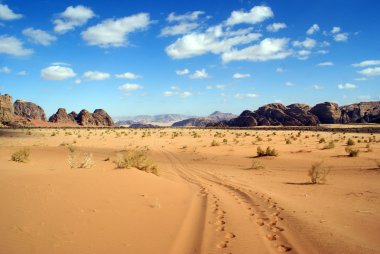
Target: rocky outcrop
<point>195,122</point>
<point>327,112</point>
<point>363,112</point>
<point>102,118</point>
<point>85,118</point>
<point>62,117</point>
<point>6,108</point>
<point>29,110</point>
<point>219,116</point>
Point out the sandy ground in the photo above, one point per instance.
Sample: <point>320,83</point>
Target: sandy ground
<point>206,199</point>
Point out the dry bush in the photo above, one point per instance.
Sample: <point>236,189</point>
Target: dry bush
<point>215,143</point>
<point>350,142</point>
<point>77,159</point>
<point>329,145</point>
<point>135,158</point>
<point>352,152</point>
<point>21,155</point>
<point>268,152</point>
<point>257,165</point>
<point>318,173</point>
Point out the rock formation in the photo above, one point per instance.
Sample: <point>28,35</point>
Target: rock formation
<point>363,112</point>
<point>198,122</point>
<point>220,116</point>
<point>327,112</point>
<point>6,108</point>
<point>102,118</point>
<point>29,110</point>
<point>62,117</point>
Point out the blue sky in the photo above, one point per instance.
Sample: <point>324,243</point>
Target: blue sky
<point>189,57</point>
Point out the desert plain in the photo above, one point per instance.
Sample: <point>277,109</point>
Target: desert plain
<point>207,191</point>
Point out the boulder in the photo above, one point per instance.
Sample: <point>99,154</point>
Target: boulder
<point>6,108</point>
<point>62,117</point>
<point>102,118</point>
<point>327,112</point>
<point>29,110</point>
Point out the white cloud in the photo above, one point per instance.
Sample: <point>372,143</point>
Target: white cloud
<point>256,15</point>
<point>96,75</point>
<point>247,95</point>
<point>78,81</point>
<point>189,16</point>
<point>128,75</point>
<point>267,49</point>
<point>22,73</point>
<point>280,70</point>
<point>72,17</point>
<point>114,32</point>
<point>176,88</point>
<point>241,75</point>
<point>313,29</point>
<point>199,74</point>
<point>325,64</point>
<point>182,28</point>
<point>186,94</point>
<point>303,54</point>
<point>169,93</point>
<point>56,72</point>
<point>182,72</point>
<point>289,84</point>
<point>361,79</point>
<point>8,14</point>
<point>60,63</point>
<point>5,70</point>
<point>129,87</point>
<point>346,86</point>
<point>367,63</point>
<point>323,52</point>
<point>317,87</point>
<point>307,43</point>
<point>276,27</point>
<point>335,29</point>
<point>38,36</point>
<point>370,72</point>
<point>214,40</point>
<point>12,46</point>
<point>341,37</point>
<point>220,87</point>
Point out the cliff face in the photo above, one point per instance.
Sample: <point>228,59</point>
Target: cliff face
<point>327,112</point>
<point>363,112</point>
<point>6,108</point>
<point>29,110</point>
<point>62,117</point>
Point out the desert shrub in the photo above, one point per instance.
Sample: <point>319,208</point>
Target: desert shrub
<point>350,142</point>
<point>352,152</point>
<point>329,145</point>
<point>257,165</point>
<point>268,152</point>
<point>77,159</point>
<point>225,141</point>
<point>21,155</point>
<point>288,141</point>
<point>136,158</point>
<point>369,148</point>
<point>214,143</point>
<point>322,140</point>
<point>318,173</point>
<point>258,138</point>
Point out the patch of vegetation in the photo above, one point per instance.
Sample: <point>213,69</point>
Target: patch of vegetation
<point>268,152</point>
<point>137,159</point>
<point>322,140</point>
<point>21,155</point>
<point>77,159</point>
<point>329,145</point>
<point>352,152</point>
<point>215,143</point>
<point>318,173</point>
<point>257,165</point>
<point>350,142</point>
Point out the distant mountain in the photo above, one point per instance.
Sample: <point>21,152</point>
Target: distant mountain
<point>162,119</point>
<point>214,118</point>
<point>219,116</point>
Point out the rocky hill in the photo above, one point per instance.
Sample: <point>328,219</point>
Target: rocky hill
<point>6,108</point>
<point>62,117</point>
<point>29,110</point>
<point>197,122</point>
<point>219,116</point>
<point>363,112</point>
<point>84,118</point>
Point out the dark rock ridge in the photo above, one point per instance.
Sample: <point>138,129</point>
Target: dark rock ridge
<point>102,118</point>
<point>62,117</point>
<point>219,116</point>
<point>327,112</point>
<point>198,122</point>
<point>143,125</point>
<point>6,108</point>
<point>363,112</point>
<point>29,110</point>
<point>84,118</point>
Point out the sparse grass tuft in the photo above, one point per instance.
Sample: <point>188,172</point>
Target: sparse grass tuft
<point>350,142</point>
<point>329,145</point>
<point>21,155</point>
<point>318,173</point>
<point>215,143</point>
<point>257,165</point>
<point>268,152</point>
<point>79,160</point>
<point>352,152</point>
<point>137,159</point>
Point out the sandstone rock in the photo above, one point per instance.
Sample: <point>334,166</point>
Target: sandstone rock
<point>363,112</point>
<point>62,117</point>
<point>102,118</point>
<point>6,108</point>
<point>29,110</point>
<point>85,118</point>
<point>327,112</point>
<point>198,122</point>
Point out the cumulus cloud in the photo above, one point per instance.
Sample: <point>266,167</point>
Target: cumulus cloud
<point>56,72</point>
<point>128,75</point>
<point>289,84</point>
<point>114,32</point>
<point>7,14</point>
<point>346,86</point>
<point>317,87</point>
<point>213,40</point>
<point>186,94</point>
<point>129,87</point>
<point>12,46</point>
<point>370,72</point>
<point>182,72</point>
<point>22,73</point>
<point>256,15</point>
<point>183,94</point>
<point>78,81</point>
<point>307,43</point>
<point>182,28</point>
<point>199,74</point>
<point>38,36</point>
<point>335,29</point>
<point>367,63</point>
<point>276,27</point>
<point>246,95</point>
<point>96,75</point>
<point>189,16</point>
<point>220,87</point>
<point>325,64</point>
<point>5,70</point>
<point>72,17</point>
<point>341,37</point>
<point>313,29</point>
<point>267,49</point>
<point>169,93</point>
<point>241,75</point>
<point>303,54</point>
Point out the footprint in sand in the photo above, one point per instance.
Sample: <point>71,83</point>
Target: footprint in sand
<point>220,212</point>
<point>220,229</point>
<point>283,248</point>
<point>271,237</point>
<point>220,217</point>
<point>219,222</point>
<point>260,222</point>
<point>222,245</point>
<point>229,235</point>
<point>277,229</point>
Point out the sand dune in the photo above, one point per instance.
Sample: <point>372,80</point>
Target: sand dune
<point>206,199</point>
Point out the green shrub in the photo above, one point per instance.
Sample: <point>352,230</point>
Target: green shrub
<point>21,155</point>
